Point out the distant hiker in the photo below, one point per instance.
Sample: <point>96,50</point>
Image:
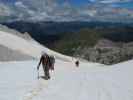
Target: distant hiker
<point>77,63</point>
<point>47,64</point>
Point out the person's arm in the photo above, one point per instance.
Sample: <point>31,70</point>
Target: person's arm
<point>39,63</point>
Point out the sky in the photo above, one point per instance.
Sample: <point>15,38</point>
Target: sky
<point>119,3</point>
<point>68,10</point>
<point>78,2</point>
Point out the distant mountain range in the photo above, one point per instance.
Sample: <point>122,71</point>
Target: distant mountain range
<point>102,42</point>
<point>45,32</point>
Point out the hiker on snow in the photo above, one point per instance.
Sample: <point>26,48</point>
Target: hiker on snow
<point>47,64</point>
<point>77,63</point>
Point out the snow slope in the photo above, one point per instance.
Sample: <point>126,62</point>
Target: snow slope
<point>88,82</point>
<point>6,54</point>
<point>31,48</point>
<point>18,80</point>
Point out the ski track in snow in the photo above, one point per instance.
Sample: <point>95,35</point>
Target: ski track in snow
<point>35,91</point>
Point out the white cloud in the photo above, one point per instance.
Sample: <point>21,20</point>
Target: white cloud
<point>88,12</point>
<point>20,4</point>
<point>114,1</point>
<point>51,10</point>
<point>5,10</point>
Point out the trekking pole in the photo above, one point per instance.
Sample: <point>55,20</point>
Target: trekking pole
<point>37,74</point>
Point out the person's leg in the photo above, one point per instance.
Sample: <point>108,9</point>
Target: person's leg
<point>46,71</point>
<point>47,74</point>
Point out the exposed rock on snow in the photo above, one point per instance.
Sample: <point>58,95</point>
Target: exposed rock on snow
<point>107,52</point>
<point>15,32</point>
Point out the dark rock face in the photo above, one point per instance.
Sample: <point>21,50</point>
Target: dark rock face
<point>107,54</point>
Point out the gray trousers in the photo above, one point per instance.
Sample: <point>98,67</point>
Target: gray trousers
<point>46,71</point>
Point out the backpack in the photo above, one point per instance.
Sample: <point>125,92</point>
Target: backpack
<point>51,62</point>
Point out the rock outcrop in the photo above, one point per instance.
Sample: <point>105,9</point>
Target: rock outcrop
<point>107,52</point>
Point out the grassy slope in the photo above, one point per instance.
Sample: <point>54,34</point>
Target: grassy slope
<point>72,41</point>
<point>88,37</point>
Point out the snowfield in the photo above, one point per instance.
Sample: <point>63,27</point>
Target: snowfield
<point>31,47</point>
<point>90,81</point>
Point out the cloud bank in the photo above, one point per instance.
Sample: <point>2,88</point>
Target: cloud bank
<point>64,10</point>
